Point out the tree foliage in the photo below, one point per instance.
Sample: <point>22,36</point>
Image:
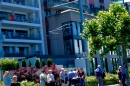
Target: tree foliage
<point>49,62</point>
<point>109,30</point>
<point>37,63</point>
<point>23,62</point>
<point>8,64</point>
<point>43,63</point>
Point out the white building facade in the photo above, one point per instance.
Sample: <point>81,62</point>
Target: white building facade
<point>21,28</point>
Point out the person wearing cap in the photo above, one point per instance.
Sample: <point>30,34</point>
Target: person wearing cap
<point>43,78</point>
<point>50,78</point>
<point>62,77</point>
<point>98,74</point>
<point>15,83</point>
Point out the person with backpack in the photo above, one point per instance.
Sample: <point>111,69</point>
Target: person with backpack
<point>98,74</point>
<point>43,78</point>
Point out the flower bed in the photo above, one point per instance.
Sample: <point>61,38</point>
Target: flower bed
<point>109,79</point>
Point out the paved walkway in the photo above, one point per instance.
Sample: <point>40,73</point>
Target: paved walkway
<point>113,85</point>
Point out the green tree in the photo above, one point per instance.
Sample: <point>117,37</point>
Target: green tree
<point>23,62</point>
<point>37,63</point>
<point>43,63</point>
<point>49,62</point>
<point>29,63</point>
<point>108,31</point>
<point>8,64</point>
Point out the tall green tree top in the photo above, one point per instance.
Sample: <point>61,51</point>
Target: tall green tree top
<point>109,30</point>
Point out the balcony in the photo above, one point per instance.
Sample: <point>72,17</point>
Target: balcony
<point>54,4</point>
<point>22,38</point>
<point>21,53</point>
<point>18,6</point>
<point>24,24</point>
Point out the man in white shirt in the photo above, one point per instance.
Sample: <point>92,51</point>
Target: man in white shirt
<point>50,78</point>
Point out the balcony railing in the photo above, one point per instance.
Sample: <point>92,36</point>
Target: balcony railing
<point>21,53</point>
<point>59,5</point>
<point>21,2</point>
<point>23,36</point>
<point>34,21</point>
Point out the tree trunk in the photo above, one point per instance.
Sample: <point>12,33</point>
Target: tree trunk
<point>124,55</point>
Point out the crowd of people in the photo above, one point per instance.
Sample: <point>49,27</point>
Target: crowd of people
<point>75,77</point>
<point>7,80</point>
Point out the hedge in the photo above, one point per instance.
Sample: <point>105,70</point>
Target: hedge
<point>109,79</point>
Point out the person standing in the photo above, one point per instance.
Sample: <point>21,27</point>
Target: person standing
<point>50,78</point>
<point>81,75</point>
<point>71,74</point>
<point>119,72</point>
<point>6,79</point>
<point>66,78</point>
<point>62,77</point>
<point>98,74</point>
<point>15,82</point>
<point>43,78</point>
<point>123,74</point>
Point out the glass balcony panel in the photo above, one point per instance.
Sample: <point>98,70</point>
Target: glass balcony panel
<point>21,53</point>
<point>22,2</point>
<point>18,18</point>
<point>23,36</point>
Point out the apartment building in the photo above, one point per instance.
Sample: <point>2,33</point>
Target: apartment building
<point>21,28</point>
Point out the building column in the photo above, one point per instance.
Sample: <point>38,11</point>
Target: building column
<point>10,49</point>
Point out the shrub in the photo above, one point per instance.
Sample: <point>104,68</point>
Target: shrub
<point>109,79</point>
<point>49,62</point>
<point>43,63</point>
<point>23,62</point>
<point>29,63</point>
<point>37,63</point>
<point>28,74</point>
<point>8,64</point>
<point>26,83</point>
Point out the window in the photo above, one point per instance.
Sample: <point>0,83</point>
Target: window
<point>66,29</point>
<point>74,28</point>
<point>91,6</point>
<point>78,46</point>
<point>68,47</point>
<point>101,1</point>
<point>114,64</point>
<point>79,28</point>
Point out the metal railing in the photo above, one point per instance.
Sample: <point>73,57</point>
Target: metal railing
<point>21,53</point>
<point>34,21</point>
<point>23,36</point>
<point>22,2</point>
<point>73,4</point>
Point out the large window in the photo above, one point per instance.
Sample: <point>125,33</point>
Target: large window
<point>76,28</point>
<point>78,46</point>
<point>114,64</point>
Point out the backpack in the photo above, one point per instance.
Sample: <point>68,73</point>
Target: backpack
<point>103,75</point>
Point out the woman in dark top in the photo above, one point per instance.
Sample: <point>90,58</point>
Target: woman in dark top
<point>119,74</point>
<point>15,83</point>
<point>81,75</point>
